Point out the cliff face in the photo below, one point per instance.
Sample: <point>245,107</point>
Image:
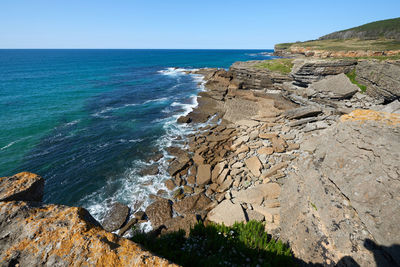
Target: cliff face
<point>37,234</point>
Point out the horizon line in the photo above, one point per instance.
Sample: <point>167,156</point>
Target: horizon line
<point>136,49</point>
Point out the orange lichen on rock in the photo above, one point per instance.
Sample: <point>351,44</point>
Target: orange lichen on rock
<point>64,236</point>
<point>21,186</point>
<point>362,115</point>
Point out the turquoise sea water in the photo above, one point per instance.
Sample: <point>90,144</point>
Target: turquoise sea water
<point>86,120</point>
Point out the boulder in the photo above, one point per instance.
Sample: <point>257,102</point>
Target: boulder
<point>227,213</point>
<point>278,144</point>
<point>22,186</point>
<point>159,212</point>
<point>192,204</point>
<point>342,198</point>
<point>303,112</point>
<point>181,223</point>
<point>254,165</point>
<point>265,151</point>
<point>127,226</point>
<point>170,184</point>
<point>149,170</point>
<point>115,217</point>
<point>335,87</point>
<point>176,167</point>
<point>203,174</point>
<point>252,215</point>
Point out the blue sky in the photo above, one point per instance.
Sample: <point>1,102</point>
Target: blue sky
<point>202,24</point>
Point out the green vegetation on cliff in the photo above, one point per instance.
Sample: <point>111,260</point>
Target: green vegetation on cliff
<point>345,45</point>
<point>282,65</point>
<point>352,77</point>
<point>218,245</point>
<point>389,28</point>
<point>381,35</point>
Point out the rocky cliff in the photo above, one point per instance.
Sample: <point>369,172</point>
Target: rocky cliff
<point>343,196</point>
<point>37,234</point>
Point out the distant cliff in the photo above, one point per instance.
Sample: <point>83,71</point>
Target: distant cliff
<point>389,29</point>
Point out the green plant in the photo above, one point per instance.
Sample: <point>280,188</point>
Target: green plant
<point>282,65</point>
<point>219,245</point>
<point>313,205</point>
<point>352,77</point>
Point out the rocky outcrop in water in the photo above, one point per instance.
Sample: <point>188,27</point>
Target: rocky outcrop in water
<point>37,234</point>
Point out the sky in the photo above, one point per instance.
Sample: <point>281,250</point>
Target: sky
<point>206,24</point>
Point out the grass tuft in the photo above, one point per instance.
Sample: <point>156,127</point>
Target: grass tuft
<point>219,245</point>
<point>352,76</point>
<point>282,65</point>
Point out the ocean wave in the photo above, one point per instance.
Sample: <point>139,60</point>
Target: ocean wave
<point>265,54</point>
<point>159,100</point>
<point>8,145</point>
<point>100,114</point>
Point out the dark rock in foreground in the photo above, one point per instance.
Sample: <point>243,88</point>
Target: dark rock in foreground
<point>115,217</point>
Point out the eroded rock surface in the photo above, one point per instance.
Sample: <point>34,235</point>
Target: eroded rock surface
<point>37,234</point>
<point>344,196</point>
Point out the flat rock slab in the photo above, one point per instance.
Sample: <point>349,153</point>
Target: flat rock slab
<point>254,165</point>
<point>24,186</point>
<point>159,212</point>
<point>227,213</point>
<point>335,87</point>
<point>247,123</point>
<point>303,112</point>
<point>115,217</point>
<point>203,174</point>
<point>258,193</point>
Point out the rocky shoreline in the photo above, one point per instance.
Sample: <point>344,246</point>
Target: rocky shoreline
<point>306,152</point>
<point>242,166</point>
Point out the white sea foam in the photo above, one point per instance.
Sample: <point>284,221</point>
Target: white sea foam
<point>173,71</point>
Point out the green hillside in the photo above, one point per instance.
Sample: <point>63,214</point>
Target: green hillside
<point>389,29</point>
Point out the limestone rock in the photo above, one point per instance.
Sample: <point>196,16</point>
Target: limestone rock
<point>22,186</point>
<point>335,87</point>
<point>149,170</point>
<point>159,212</point>
<point>254,215</point>
<point>278,144</point>
<point>203,174</point>
<point>258,193</point>
<point>254,165</point>
<point>115,217</point>
<point>303,112</point>
<point>192,204</point>
<point>306,71</point>
<point>227,213</point>
<point>342,200</point>
<point>381,78</point>
<point>181,223</point>
<point>265,151</point>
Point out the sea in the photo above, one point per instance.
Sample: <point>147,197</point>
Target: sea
<point>88,120</point>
